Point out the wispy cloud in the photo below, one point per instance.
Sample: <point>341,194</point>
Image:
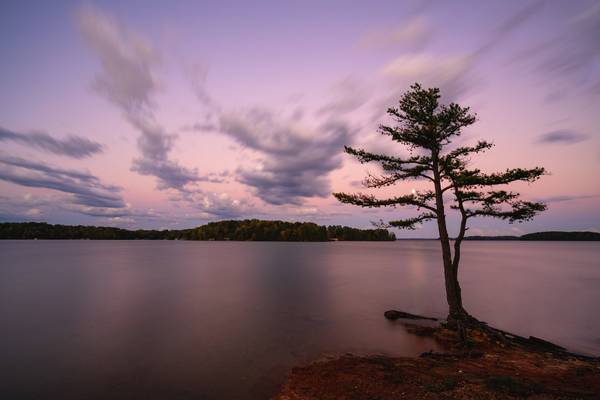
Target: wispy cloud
<point>451,73</point>
<point>155,145</point>
<point>48,205</point>
<point>294,161</point>
<point>71,146</point>
<point>413,34</point>
<point>454,74</point>
<point>570,58</point>
<point>128,60</point>
<point>563,198</point>
<point>347,95</point>
<point>84,189</point>
<point>127,79</point>
<point>196,73</point>
<point>506,27</point>
<point>562,137</point>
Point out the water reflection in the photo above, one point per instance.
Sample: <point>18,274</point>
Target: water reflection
<point>227,320</point>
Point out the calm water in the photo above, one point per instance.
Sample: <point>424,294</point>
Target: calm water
<point>226,320</point>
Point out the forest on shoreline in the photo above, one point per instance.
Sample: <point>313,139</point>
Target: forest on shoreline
<point>245,230</point>
<point>240,230</point>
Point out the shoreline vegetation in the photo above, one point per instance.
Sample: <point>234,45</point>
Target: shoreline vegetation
<point>246,230</point>
<point>549,236</point>
<point>483,364</point>
<point>236,230</point>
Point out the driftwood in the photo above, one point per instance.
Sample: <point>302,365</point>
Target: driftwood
<point>394,315</point>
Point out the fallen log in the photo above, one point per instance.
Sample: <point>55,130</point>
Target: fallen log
<point>393,315</point>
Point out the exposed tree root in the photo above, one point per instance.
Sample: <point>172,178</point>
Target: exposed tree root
<point>488,364</point>
<point>467,322</point>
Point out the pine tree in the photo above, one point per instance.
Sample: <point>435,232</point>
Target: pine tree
<point>427,128</point>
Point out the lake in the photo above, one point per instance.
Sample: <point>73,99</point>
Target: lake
<point>226,320</point>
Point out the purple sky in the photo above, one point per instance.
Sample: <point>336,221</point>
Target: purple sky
<point>172,114</point>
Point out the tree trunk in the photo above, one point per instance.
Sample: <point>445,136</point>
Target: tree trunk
<point>453,292</point>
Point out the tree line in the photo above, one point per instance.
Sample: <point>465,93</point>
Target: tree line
<point>241,230</point>
<point>548,236</point>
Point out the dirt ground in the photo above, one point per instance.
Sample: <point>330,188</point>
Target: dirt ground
<point>484,369</point>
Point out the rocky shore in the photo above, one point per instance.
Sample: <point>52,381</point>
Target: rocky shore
<point>490,364</point>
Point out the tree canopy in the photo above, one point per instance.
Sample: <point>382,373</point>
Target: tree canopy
<point>424,124</point>
<point>426,128</point>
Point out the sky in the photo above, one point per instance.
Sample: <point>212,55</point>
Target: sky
<point>156,114</point>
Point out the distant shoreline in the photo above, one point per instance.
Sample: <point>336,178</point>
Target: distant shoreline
<point>248,230</point>
<point>548,236</point>
<point>233,230</point>
<point>545,236</point>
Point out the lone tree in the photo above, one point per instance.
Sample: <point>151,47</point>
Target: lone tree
<point>427,128</point>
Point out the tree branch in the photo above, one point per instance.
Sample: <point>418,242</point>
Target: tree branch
<point>410,223</point>
<point>365,157</point>
<point>461,233</point>
<point>366,200</point>
<point>477,178</point>
<point>372,181</point>
<point>482,145</point>
<point>520,211</point>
